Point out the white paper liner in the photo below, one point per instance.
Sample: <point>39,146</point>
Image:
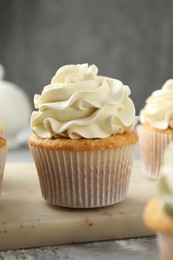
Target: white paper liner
<point>84,179</point>
<point>165,244</point>
<point>152,146</point>
<point>3,155</point>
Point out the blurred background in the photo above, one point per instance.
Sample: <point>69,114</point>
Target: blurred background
<point>128,40</point>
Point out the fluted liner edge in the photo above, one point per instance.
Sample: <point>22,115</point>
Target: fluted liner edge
<point>84,179</point>
<point>152,145</point>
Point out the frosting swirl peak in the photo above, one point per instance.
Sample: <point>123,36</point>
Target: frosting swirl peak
<point>158,111</point>
<point>80,104</point>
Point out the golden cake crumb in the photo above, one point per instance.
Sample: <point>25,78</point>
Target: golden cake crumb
<point>156,219</point>
<point>66,144</point>
<point>3,142</point>
<point>151,128</point>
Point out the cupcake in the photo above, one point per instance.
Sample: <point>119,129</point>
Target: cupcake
<point>3,154</point>
<point>158,214</point>
<point>83,139</point>
<point>156,128</point>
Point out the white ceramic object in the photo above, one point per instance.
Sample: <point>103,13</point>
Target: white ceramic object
<point>15,109</point>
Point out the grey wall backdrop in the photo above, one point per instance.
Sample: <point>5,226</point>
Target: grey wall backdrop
<point>131,40</point>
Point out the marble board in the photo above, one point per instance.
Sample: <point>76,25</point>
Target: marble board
<point>27,221</point>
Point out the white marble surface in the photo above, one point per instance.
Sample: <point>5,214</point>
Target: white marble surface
<point>136,249</point>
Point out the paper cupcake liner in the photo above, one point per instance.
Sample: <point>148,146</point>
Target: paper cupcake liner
<point>152,144</point>
<point>3,154</point>
<point>165,244</point>
<point>83,179</point>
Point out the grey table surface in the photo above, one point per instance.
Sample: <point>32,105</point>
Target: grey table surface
<point>136,249</point>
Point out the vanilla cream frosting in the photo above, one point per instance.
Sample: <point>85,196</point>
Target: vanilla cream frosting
<point>80,104</point>
<point>165,182</point>
<point>158,111</point>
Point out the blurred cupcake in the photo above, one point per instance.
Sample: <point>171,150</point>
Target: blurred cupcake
<point>158,214</point>
<point>156,129</point>
<point>3,154</point>
<point>83,141</point>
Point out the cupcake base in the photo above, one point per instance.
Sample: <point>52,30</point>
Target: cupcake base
<point>153,143</point>
<point>84,179</point>
<point>157,220</point>
<point>165,244</point>
<point>77,174</point>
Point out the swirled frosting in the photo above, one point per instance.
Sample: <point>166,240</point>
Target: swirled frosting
<point>158,111</point>
<point>80,104</point>
<point>165,182</point>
